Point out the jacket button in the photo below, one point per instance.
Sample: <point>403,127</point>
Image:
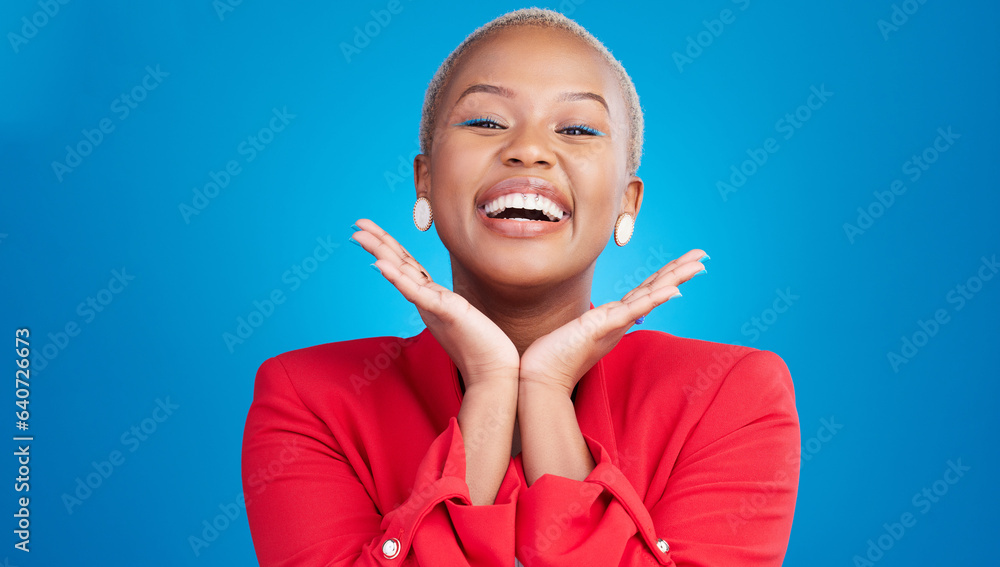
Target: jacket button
<point>662,545</point>
<point>390,548</point>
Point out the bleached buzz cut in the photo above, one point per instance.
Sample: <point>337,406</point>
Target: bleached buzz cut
<point>547,19</point>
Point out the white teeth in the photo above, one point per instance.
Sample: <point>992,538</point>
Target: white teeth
<point>553,211</point>
<point>531,201</point>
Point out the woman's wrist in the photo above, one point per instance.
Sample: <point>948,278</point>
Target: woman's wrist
<point>530,387</point>
<point>498,382</point>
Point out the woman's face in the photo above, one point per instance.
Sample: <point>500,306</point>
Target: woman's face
<point>530,114</point>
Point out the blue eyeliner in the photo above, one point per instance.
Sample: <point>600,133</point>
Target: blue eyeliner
<point>588,129</point>
<point>476,121</point>
<point>582,127</point>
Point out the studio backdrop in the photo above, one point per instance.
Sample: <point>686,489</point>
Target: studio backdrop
<point>179,180</point>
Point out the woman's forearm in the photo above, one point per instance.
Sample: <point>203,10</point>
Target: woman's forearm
<point>487,423</point>
<point>551,440</point>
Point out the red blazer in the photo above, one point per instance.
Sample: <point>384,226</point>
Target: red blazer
<point>352,455</point>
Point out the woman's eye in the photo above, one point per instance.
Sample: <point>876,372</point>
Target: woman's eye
<point>489,123</point>
<point>481,123</point>
<point>581,129</point>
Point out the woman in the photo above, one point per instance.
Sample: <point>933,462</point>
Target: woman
<point>522,426</point>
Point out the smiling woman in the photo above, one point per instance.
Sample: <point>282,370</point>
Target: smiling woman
<point>523,426</point>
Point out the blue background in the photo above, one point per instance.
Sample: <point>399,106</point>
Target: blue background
<point>346,154</point>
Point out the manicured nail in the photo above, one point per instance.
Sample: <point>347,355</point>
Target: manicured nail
<point>355,242</point>
<point>678,294</point>
<point>705,257</point>
<point>374,267</point>
<point>703,271</point>
<point>355,227</point>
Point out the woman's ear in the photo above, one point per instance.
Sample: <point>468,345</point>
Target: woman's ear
<point>632,198</point>
<point>422,175</point>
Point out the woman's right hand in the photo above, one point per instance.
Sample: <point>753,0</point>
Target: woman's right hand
<point>480,349</point>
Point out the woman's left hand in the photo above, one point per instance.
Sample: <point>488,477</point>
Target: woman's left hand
<point>560,358</point>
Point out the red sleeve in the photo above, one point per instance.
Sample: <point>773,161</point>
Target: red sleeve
<point>307,506</point>
<point>729,500</point>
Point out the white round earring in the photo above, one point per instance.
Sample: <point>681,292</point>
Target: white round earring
<point>423,217</point>
<point>623,229</point>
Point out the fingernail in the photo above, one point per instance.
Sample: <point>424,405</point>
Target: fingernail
<point>705,257</point>
<point>678,294</point>
<point>374,267</point>
<point>355,227</point>
<point>703,271</point>
<point>352,241</point>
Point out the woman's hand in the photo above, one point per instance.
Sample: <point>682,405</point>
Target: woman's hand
<point>559,359</point>
<point>482,352</point>
<point>480,349</point>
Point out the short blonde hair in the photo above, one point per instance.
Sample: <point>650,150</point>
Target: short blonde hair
<point>543,18</point>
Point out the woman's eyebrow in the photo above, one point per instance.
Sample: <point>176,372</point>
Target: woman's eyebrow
<point>481,88</point>
<point>507,93</point>
<point>571,96</point>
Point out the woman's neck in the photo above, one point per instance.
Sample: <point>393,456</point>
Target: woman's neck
<point>526,314</point>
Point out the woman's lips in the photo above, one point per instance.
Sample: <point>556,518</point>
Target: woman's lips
<point>525,184</point>
<point>520,228</point>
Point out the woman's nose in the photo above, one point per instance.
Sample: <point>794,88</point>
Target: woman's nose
<point>529,146</point>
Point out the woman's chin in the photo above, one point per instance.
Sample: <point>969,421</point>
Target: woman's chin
<point>533,271</point>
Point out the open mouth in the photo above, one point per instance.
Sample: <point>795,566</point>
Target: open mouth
<point>524,207</point>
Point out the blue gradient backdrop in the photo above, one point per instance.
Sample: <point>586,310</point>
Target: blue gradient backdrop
<point>202,78</point>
